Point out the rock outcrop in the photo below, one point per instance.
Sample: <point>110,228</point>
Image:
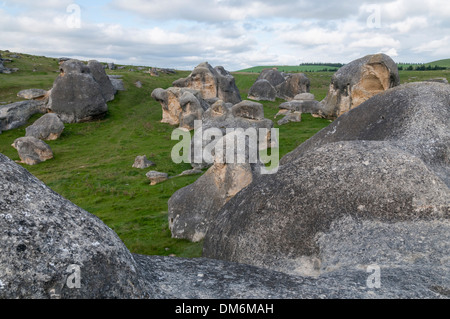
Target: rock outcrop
<point>272,84</point>
<point>372,188</point>
<point>32,151</point>
<point>48,127</point>
<point>17,114</point>
<point>358,81</point>
<point>80,92</point>
<point>213,83</point>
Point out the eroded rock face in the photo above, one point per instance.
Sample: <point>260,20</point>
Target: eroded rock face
<point>358,81</point>
<point>43,235</point>
<point>98,72</point>
<point>77,96</point>
<point>212,83</point>
<point>48,127</point>
<point>294,84</point>
<point>289,221</point>
<point>262,90</point>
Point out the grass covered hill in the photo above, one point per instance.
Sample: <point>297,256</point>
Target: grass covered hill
<point>93,161</point>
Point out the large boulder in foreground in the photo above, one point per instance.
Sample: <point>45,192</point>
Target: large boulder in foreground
<point>346,204</point>
<point>76,95</point>
<point>45,238</point>
<point>357,82</point>
<point>413,117</point>
<point>213,83</point>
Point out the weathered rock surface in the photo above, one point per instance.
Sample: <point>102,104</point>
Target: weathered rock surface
<point>43,234</point>
<point>142,162</point>
<point>262,90</point>
<point>294,84</point>
<point>99,74</point>
<point>17,114</point>
<point>181,106</point>
<point>157,177</point>
<point>48,127</point>
<point>32,151</point>
<point>45,238</point>
<point>211,83</point>
<point>273,76</point>
<point>117,83</point>
<point>290,116</point>
<point>358,81</point>
<point>32,94</point>
<point>202,278</point>
<point>345,204</point>
<point>76,95</point>
<point>413,117</point>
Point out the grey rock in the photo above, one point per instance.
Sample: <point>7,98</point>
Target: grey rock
<point>99,74</point>
<point>117,83</point>
<point>111,66</point>
<point>297,221</point>
<point>291,117</point>
<point>305,97</point>
<point>202,278</point>
<point>212,83</point>
<point>273,76</point>
<point>48,127</point>
<point>142,162</point>
<point>190,172</point>
<point>294,84</point>
<point>32,94</point>
<point>248,110</point>
<point>44,234</point>
<point>262,90</point>
<point>17,114</point>
<point>157,177</point>
<point>32,151</point>
<point>76,96</point>
<point>358,81</point>
<point>413,117</point>
<point>138,84</point>
<point>439,80</point>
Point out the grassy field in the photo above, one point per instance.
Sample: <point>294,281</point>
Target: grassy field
<point>291,69</point>
<point>93,161</point>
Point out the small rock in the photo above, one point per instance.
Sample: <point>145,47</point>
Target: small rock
<point>142,162</point>
<point>157,177</point>
<point>138,84</point>
<point>32,94</point>
<point>32,151</point>
<point>49,127</point>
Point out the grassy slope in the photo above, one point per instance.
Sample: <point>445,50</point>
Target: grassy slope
<point>92,164</point>
<point>289,68</point>
<point>443,63</point>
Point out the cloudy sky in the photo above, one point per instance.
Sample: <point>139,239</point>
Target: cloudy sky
<point>233,33</point>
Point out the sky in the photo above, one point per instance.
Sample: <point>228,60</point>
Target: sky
<point>235,34</point>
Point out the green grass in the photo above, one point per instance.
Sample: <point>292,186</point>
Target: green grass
<point>93,161</point>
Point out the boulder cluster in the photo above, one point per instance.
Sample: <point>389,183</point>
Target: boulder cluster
<point>370,191</point>
<point>80,93</point>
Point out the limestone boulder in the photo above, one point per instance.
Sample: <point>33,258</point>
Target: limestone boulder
<point>294,84</point>
<point>48,127</point>
<point>142,162</point>
<point>157,177</point>
<point>262,90</point>
<point>413,117</point>
<point>76,96</point>
<point>273,76</point>
<point>32,151</point>
<point>358,81</point>
<point>17,114</point>
<point>211,83</point>
<point>100,76</point>
<point>47,243</point>
<point>346,204</point>
<point>32,94</point>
